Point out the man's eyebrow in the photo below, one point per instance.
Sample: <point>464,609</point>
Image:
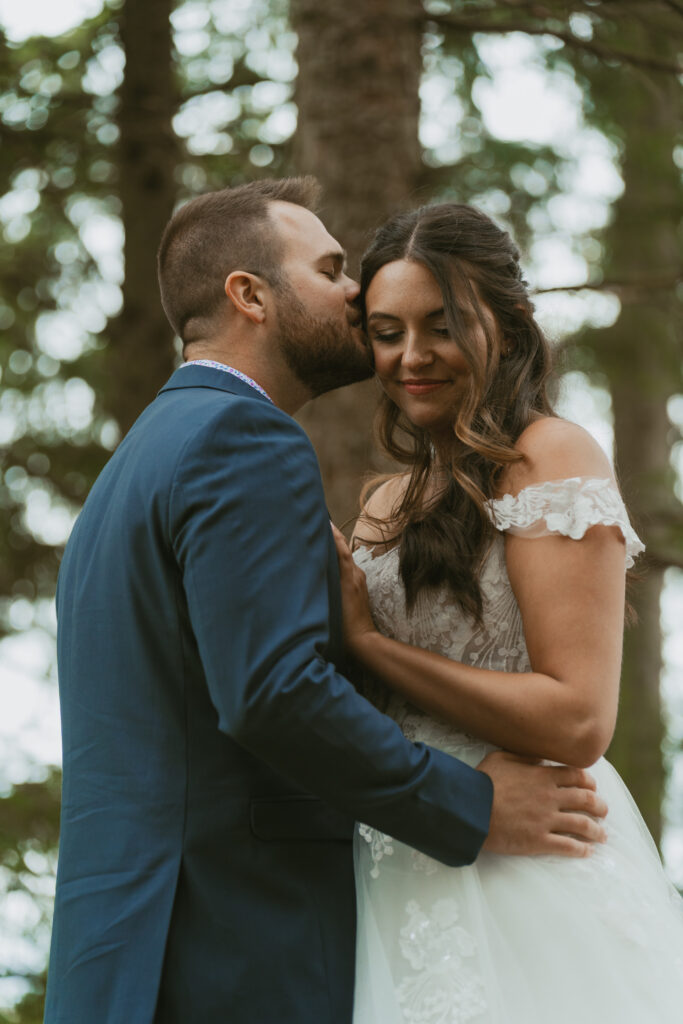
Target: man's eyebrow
<point>390,316</point>
<point>338,257</point>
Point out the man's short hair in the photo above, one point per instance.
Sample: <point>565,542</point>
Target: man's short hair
<point>213,235</point>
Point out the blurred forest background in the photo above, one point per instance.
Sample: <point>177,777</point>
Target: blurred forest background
<point>104,129</point>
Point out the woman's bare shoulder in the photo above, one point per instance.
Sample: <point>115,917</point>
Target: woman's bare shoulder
<point>374,525</point>
<point>554,449</point>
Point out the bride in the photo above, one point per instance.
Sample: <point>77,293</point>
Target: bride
<point>486,604</point>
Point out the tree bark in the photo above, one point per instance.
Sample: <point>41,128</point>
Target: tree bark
<point>641,356</point>
<point>141,354</point>
<point>358,99</point>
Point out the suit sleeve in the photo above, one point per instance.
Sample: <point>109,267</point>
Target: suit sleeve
<point>251,534</point>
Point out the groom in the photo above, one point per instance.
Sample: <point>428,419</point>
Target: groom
<point>214,758</point>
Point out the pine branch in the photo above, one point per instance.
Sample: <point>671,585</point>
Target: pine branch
<point>607,53</point>
<point>661,282</point>
<point>642,10</point>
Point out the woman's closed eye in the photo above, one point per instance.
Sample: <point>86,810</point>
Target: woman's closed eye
<point>386,335</point>
<point>394,335</point>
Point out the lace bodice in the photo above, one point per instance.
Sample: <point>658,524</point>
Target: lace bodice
<point>499,939</point>
<point>568,507</point>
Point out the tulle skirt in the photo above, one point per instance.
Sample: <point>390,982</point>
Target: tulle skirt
<point>521,940</point>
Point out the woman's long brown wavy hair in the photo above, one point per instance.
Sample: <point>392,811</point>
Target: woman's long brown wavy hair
<point>445,537</point>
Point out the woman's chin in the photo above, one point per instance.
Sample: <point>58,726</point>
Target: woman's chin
<point>429,420</point>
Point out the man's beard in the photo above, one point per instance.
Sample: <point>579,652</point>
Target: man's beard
<point>322,352</point>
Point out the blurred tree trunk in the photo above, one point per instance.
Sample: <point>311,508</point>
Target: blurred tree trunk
<point>358,97</point>
<point>141,356</point>
<point>641,356</point>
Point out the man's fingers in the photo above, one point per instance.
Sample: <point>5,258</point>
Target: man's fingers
<point>580,827</point>
<point>574,777</point>
<point>583,800</point>
<point>568,846</point>
<point>542,809</point>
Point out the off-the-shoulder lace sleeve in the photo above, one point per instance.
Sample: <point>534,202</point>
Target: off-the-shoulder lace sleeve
<point>569,507</point>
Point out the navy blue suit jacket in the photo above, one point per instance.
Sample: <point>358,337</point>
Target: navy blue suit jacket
<point>214,758</point>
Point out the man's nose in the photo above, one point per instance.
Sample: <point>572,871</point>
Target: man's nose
<point>352,288</point>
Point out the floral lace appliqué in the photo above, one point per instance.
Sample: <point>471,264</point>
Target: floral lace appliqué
<point>497,642</point>
<point>437,624</point>
<point>381,845</point>
<point>446,988</point>
<point>568,507</point>
<point>422,862</point>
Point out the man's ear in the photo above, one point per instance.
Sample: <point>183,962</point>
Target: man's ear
<point>247,293</point>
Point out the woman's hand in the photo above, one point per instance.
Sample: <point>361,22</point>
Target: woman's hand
<point>358,622</point>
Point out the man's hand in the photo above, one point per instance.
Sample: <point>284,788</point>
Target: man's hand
<point>540,809</point>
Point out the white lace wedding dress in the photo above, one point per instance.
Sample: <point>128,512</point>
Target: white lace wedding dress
<point>511,940</point>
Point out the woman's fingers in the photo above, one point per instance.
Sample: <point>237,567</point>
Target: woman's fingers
<point>343,550</point>
<point>339,538</point>
<point>355,602</point>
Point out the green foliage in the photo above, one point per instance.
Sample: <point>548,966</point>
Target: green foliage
<point>57,137</point>
<point>60,284</point>
<point>236,73</point>
<point>30,1008</point>
<point>60,288</point>
<point>30,809</point>
<point>29,830</point>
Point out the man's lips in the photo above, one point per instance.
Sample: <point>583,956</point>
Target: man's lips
<point>422,386</point>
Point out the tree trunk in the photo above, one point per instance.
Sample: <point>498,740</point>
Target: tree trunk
<point>141,354</point>
<point>641,356</point>
<point>358,99</point>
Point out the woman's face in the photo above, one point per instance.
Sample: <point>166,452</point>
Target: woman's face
<point>421,368</point>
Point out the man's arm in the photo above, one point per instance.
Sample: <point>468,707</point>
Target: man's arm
<point>250,531</point>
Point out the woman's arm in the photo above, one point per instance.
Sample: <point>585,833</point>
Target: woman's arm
<point>571,597</point>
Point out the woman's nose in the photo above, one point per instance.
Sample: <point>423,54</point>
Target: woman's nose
<point>416,354</point>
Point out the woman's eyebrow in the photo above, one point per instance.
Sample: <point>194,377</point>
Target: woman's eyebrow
<point>390,316</point>
<point>382,316</point>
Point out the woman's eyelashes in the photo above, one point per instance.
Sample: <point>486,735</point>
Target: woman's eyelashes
<point>386,335</point>
<point>395,335</point>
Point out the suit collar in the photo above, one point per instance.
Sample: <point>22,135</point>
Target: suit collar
<point>208,377</point>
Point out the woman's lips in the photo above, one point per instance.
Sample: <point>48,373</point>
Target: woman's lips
<point>422,387</point>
